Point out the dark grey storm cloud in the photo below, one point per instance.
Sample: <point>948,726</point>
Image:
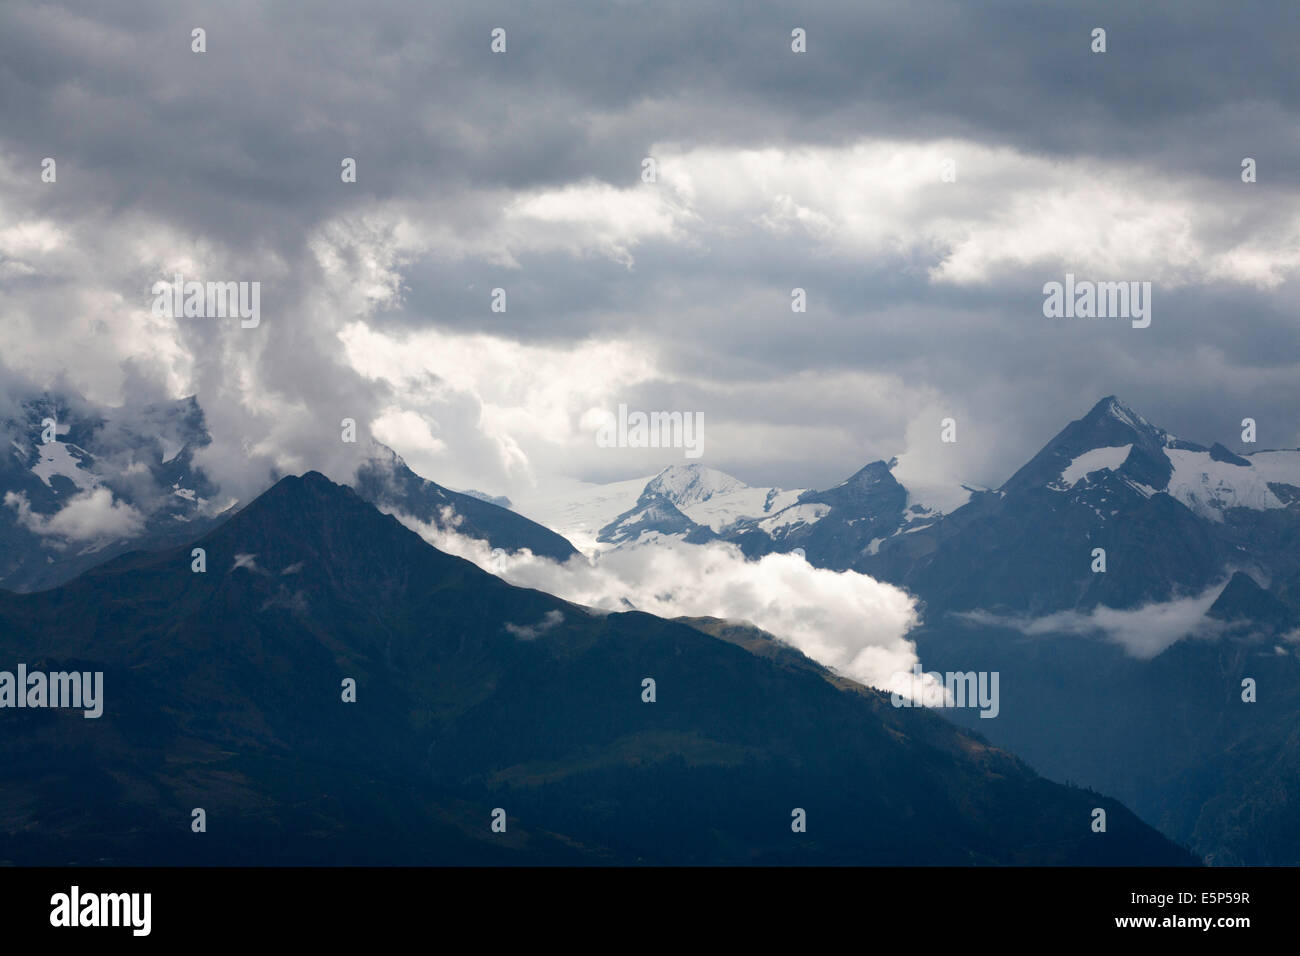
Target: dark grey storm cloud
<point>262,118</point>
<point>235,155</point>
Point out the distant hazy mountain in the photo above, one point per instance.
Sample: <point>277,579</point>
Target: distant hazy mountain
<point>1128,680</point>
<point>222,691</point>
<point>1172,516</point>
<point>702,504</point>
<point>1170,735</point>
<point>697,503</point>
<point>689,500</point>
<point>1125,680</point>
<point>104,484</point>
<point>837,527</point>
<point>115,480</point>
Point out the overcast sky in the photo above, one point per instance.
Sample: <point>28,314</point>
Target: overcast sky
<point>775,170</point>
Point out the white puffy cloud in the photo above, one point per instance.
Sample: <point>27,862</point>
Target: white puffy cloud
<point>884,198</point>
<point>403,428</point>
<point>347,333</point>
<point>518,407</point>
<point>92,515</point>
<point>847,621</point>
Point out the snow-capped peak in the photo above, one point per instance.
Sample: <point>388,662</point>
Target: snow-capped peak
<point>1209,485</point>
<point>686,485</point>
<point>1113,438</point>
<point>1125,415</point>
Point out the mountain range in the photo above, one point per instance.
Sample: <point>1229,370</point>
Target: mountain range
<point>1111,480</point>
<point>226,690</point>
<point>111,480</point>
<point>1128,678</point>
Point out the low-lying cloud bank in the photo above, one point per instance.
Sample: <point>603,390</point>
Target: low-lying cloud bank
<point>1144,632</point>
<point>93,515</point>
<point>849,622</point>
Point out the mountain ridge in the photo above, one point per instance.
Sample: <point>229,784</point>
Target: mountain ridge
<point>115,480</point>
<point>222,691</point>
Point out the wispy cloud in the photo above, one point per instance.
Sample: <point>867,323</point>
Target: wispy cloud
<point>1144,632</point>
<point>846,621</point>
